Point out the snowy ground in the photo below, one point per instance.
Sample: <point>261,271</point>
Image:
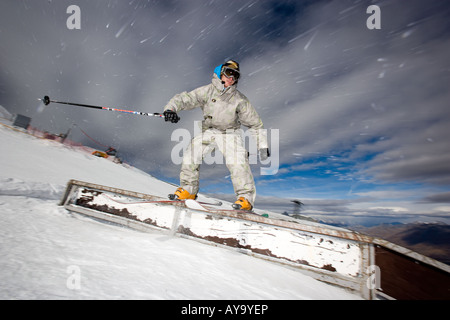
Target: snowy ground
<point>49,253</point>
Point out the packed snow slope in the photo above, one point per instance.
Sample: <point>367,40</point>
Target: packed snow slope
<point>48,253</point>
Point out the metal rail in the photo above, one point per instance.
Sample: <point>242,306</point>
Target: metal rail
<point>363,264</point>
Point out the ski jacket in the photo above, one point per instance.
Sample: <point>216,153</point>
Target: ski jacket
<point>223,109</point>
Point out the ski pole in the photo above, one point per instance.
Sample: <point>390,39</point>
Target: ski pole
<point>47,101</point>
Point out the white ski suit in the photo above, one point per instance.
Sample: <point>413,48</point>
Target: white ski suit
<point>224,111</point>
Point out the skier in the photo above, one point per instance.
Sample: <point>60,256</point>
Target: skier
<point>224,110</point>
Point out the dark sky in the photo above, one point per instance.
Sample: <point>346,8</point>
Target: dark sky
<point>362,115</point>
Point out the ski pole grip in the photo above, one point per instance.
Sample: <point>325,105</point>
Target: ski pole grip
<point>158,115</point>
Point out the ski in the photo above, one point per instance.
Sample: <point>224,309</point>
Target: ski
<point>162,201</point>
<point>195,205</point>
<point>218,204</point>
<point>174,198</point>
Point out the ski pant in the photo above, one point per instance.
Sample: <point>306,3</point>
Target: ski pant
<point>231,145</point>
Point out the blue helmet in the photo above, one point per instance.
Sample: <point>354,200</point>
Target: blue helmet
<point>231,68</point>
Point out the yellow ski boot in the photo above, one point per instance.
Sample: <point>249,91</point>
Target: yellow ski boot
<point>242,204</point>
<point>182,194</point>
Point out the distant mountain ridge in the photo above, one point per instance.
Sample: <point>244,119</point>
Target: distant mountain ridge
<point>429,239</point>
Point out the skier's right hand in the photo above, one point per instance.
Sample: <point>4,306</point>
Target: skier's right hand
<point>171,116</point>
<point>264,154</point>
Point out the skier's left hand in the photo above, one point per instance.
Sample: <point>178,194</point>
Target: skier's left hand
<point>264,154</point>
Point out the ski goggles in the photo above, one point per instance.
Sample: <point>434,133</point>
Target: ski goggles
<point>231,73</point>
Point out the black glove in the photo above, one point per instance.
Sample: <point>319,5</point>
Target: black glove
<point>171,116</point>
<point>264,154</point>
